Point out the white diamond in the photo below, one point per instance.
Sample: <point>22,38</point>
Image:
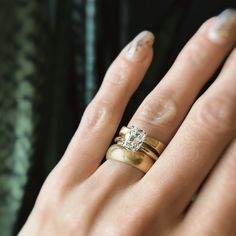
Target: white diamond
<point>134,139</point>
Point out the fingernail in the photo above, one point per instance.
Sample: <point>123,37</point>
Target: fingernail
<point>138,48</point>
<point>224,26</point>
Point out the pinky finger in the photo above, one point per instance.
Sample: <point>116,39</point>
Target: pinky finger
<point>214,211</point>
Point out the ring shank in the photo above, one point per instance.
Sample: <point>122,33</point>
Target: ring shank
<point>138,159</point>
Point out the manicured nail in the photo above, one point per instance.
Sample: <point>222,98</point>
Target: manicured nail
<point>224,26</point>
<point>138,48</point>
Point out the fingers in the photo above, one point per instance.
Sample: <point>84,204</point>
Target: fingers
<point>199,142</point>
<point>214,209</point>
<point>164,109</point>
<point>103,114</point>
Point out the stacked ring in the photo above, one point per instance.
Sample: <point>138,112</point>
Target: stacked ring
<point>144,148</point>
<point>136,159</point>
<point>135,148</point>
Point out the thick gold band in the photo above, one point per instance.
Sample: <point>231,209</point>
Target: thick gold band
<point>137,159</point>
<point>152,142</point>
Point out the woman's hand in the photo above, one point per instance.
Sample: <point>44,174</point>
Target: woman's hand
<point>82,197</point>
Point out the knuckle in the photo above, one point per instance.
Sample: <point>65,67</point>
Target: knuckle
<point>158,111</point>
<point>97,114</point>
<point>216,114</point>
<point>196,52</point>
<point>118,74</point>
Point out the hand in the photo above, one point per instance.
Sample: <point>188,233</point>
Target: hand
<point>82,197</point>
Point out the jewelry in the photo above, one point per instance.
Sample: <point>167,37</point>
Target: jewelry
<point>134,139</point>
<point>151,152</point>
<point>136,159</point>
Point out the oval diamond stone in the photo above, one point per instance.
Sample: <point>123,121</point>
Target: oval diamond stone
<point>134,139</point>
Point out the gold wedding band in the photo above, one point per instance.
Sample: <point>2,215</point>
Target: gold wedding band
<point>136,159</point>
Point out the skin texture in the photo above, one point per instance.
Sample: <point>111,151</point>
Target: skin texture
<point>82,197</point>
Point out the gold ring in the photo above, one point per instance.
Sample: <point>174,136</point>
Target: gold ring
<point>134,138</point>
<point>137,159</point>
<point>148,150</point>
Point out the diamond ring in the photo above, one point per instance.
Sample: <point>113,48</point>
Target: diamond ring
<point>135,139</point>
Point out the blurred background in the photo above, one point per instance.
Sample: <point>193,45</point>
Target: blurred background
<point>53,56</point>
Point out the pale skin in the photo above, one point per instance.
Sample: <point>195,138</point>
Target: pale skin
<point>82,197</point>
